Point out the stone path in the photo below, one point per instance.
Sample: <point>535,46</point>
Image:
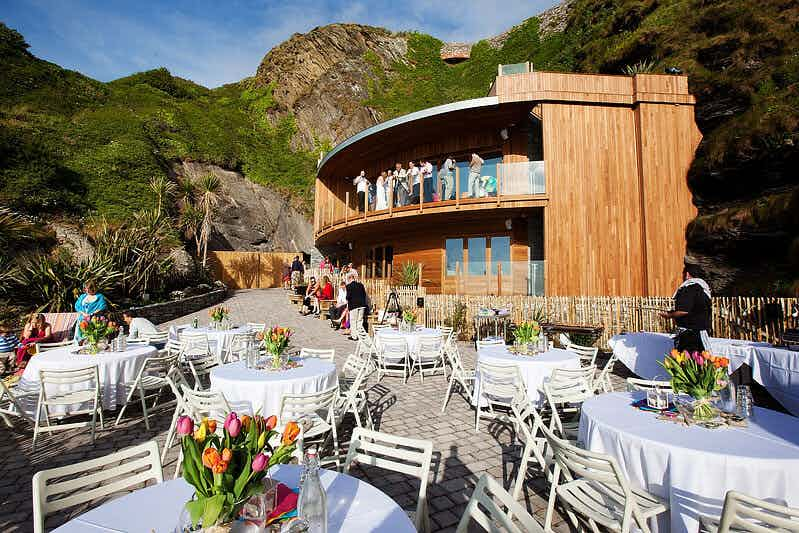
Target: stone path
<point>412,410</point>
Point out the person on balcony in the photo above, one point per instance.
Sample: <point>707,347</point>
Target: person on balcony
<point>426,170</point>
<point>475,168</point>
<point>380,185</point>
<point>413,179</point>
<point>447,179</point>
<point>362,188</point>
<point>401,186</point>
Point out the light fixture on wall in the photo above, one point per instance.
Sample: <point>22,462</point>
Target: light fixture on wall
<point>508,224</point>
<point>504,134</point>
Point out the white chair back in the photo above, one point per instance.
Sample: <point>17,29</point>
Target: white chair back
<point>15,405</point>
<point>393,349</point>
<point>324,354</point>
<point>314,405</point>
<point>499,383</point>
<point>173,347</point>
<point>239,344</point>
<point>160,337</point>
<point>411,457</point>
<point>487,508</point>
<point>256,327</point>
<point>587,354</point>
<point>490,342</point>
<point>635,384</point>
<point>429,347</point>
<point>529,423</point>
<point>746,513</point>
<point>211,404</point>
<point>42,347</point>
<point>603,382</point>
<point>564,340</point>
<point>195,344</point>
<point>114,473</point>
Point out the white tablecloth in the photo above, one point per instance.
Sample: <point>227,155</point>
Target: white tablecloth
<point>534,369</point>
<point>352,505</point>
<point>218,340</point>
<point>411,337</point>
<point>115,369</point>
<point>693,467</point>
<point>776,369</point>
<point>250,390</point>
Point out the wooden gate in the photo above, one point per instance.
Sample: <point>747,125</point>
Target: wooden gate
<point>250,270</point>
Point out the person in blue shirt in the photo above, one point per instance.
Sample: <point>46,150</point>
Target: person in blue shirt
<point>8,346</point>
<point>89,304</point>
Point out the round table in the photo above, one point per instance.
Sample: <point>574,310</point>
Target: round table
<point>352,505</point>
<point>252,390</point>
<point>411,337</point>
<point>218,339</point>
<point>535,369</point>
<point>693,467</point>
<point>114,368</point>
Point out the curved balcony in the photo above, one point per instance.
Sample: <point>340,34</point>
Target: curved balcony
<point>500,186</point>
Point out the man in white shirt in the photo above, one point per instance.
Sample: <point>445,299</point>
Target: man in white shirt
<point>475,168</point>
<point>413,178</point>
<point>427,180</point>
<point>138,326</point>
<point>361,187</point>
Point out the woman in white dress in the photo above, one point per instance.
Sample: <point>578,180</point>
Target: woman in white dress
<point>381,202</point>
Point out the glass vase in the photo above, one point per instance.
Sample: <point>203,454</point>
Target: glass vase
<point>702,408</point>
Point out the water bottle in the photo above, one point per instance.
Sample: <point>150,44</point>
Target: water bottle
<point>195,323</point>
<point>312,503</point>
<point>122,340</point>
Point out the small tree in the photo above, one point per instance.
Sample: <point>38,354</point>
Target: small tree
<point>208,188</point>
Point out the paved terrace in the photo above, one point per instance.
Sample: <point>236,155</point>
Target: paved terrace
<point>461,455</point>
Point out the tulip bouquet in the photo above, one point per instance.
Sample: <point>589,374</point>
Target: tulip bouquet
<point>95,329</point>
<point>276,340</point>
<point>527,332</point>
<point>227,470</point>
<point>219,314</point>
<point>699,375</point>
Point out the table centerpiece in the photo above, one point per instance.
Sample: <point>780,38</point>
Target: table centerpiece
<point>227,470</point>
<point>96,331</point>
<point>408,320</point>
<point>276,340</point>
<point>219,315</point>
<point>699,375</point>
<point>526,334</point>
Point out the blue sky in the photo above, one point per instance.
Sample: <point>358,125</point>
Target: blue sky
<point>217,42</point>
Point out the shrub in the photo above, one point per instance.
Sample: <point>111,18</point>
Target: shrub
<point>407,274</point>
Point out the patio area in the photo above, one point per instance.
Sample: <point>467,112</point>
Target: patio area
<point>413,410</point>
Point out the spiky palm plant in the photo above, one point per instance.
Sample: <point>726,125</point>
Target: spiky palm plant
<point>164,190</point>
<point>208,188</point>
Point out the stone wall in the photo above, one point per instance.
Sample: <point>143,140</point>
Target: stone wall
<point>166,311</point>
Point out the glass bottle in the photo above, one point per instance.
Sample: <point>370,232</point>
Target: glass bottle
<point>122,340</point>
<point>312,503</point>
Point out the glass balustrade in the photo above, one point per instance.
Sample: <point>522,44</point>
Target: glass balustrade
<point>496,276</point>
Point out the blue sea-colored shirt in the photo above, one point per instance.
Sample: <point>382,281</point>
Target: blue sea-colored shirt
<point>8,342</point>
<point>86,309</point>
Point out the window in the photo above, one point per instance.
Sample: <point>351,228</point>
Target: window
<point>476,256</point>
<point>500,255</point>
<point>454,252</point>
<point>378,261</point>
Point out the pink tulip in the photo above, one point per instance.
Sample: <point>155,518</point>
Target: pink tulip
<point>259,462</point>
<point>234,428</point>
<point>185,426</point>
<point>230,417</point>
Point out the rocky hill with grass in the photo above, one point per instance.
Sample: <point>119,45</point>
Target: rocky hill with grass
<point>73,145</point>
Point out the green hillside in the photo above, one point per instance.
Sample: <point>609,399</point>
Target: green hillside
<point>69,143</point>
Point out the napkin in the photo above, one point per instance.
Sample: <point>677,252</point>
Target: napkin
<point>286,504</point>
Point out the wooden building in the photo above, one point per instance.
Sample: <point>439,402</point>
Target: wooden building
<point>582,191</point>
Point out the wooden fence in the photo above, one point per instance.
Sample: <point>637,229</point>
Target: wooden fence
<point>250,270</point>
<point>733,317</point>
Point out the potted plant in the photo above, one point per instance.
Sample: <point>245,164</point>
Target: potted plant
<point>227,470</point>
<point>699,375</point>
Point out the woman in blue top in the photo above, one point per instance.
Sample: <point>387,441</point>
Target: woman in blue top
<point>89,304</point>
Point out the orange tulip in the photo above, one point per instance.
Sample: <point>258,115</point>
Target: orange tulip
<point>271,422</point>
<point>245,421</point>
<point>211,424</point>
<point>290,433</point>
<point>220,467</point>
<point>211,457</point>
<point>227,455</point>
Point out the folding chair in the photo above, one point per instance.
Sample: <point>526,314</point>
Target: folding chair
<point>149,382</point>
<point>202,404</point>
<point>489,342</point>
<point>256,327</point>
<point>176,382</point>
<point>13,402</point>
<point>314,411</point>
<point>488,513</point>
<point>352,391</point>
<point>603,382</point>
<point>64,380</point>
<point>458,375</point>
<point>237,349</point>
<point>42,347</point>
<point>587,354</point>
<point>428,357</point>
<point>392,358</point>
<point>114,473</point>
<point>157,339</point>
<point>497,385</point>
<point>746,513</point>
<point>529,424</point>
<point>323,354</point>
<point>565,392</point>
<point>593,485</point>
<point>643,385</point>
<point>398,454</point>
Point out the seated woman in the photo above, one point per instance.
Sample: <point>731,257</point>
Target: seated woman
<point>310,292</point>
<point>325,292</point>
<point>89,304</point>
<point>36,330</point>
<point>338,314</point>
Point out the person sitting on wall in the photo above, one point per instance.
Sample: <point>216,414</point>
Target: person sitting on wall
<point>361,188</point>
<point>692,312</point>
<point>310,293</point>
<point>297,271</point>
<point>338,313</point>
<point>138,326</point>
<point>36,329</point>
<point>324,292</point>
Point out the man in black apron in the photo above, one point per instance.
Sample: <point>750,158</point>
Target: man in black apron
<point>692,312</point>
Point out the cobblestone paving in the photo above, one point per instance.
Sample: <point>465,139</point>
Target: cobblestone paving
<point>461,455</point>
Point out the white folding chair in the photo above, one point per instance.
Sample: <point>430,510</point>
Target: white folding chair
<point>428,357</point>
<point>565,392</point>
<point>195,357</point>
<point>176,382</point>
<point>643,385</point>
<point>352,391</point>
<point>198,405</point>
<point>489,342</point>
<point>746,513</point>
<point>323,354</point>
<point>587,354</point>
<point>47,346</point>
<point>239,344</point>
<point>196,344</point>
<point>593,485</point>
<point>392,358</point>
<point>603,382</point>
<point>398,454</point>
<point>172,347</point>
<point>67,486</point>
<point>16,403</point>
<point>157,339</point>
<point>486,508</point>
<point>149,382</point>
<point>458,375</point>
<point>314,411</point>
<point>65,392</point>
<point>564,340</point>
<point>256,327</point>
<point>529,425</point>
<point>497,385</point>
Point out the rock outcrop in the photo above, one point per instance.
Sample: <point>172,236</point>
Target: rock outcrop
<point>321,78</point>
<point>250,216</point>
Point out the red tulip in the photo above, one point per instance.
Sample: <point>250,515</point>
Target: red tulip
<point>185,426</point>
<point>259,462</point>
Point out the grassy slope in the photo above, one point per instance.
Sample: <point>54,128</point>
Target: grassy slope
<point>72,144</point>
